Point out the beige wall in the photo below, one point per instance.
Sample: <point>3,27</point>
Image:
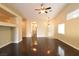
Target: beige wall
<point>5,36</point>
<point>71,35</point>
<point>24,28</point>
<point>11,34</point>
<point>12,8</point>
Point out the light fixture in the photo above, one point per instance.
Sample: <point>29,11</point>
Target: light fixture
<point>43,9</point>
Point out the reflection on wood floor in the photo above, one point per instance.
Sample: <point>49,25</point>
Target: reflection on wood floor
<point>30,47</point>
<point>38,47</point>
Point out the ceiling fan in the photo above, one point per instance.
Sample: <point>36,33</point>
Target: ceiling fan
<point>43,9</point>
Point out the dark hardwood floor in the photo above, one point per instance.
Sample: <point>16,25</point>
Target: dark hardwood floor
<point>37,47</point>
<point>28,47</point>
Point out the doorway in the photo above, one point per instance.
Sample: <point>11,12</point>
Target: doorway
<point>34,41</point>
<point>34,29</point>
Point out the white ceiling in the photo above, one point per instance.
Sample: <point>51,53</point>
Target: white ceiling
<point>28,10</point>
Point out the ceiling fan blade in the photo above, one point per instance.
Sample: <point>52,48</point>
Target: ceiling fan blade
<point>37,9</point>
<point>41,4</point>
<point>48,8</point>
<point>39,13</point>
<point>50,11</point>
<point>46,12</point>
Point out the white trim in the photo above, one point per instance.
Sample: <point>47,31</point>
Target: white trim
<point>8,10</point>
<point>7,24</point>
<point>17,25</point>
<point>17,41</point>
<point>9,43</point>
<point>69,44</point>
<point>6,44</point>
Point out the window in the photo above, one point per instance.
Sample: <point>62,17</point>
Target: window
<point>73,14</point>
<point>61,28</point>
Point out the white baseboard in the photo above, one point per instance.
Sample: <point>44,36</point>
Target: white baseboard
<point>5,44</point>
<point>9,43</point>
<point>17,41</point>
